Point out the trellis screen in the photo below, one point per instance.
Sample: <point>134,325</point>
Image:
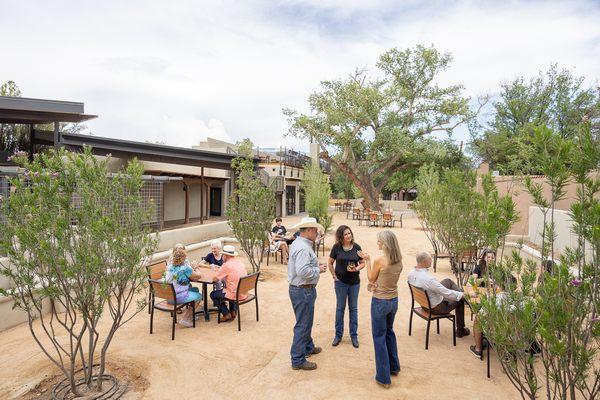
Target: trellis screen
<point>152,194</point>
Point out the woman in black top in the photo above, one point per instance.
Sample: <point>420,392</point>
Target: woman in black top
<point>480,271</point>
<point>348,263</point>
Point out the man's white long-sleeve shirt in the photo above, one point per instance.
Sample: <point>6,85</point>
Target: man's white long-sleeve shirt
<point>421,278</point>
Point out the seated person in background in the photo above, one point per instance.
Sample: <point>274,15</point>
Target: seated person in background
<point>214,257</point>
<point>501,298</point>
<point>477,333</point>
<point>214,260</point>
<point>278,241</point>
<point>480,271</point>
<point>179,273</point>
<point>279,230</point>
<point>177,246</point>
<point>231,271</point>
<point>444,296</point>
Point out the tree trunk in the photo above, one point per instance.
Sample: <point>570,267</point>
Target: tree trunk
<point>371,197</point>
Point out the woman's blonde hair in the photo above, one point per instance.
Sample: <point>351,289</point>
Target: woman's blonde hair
<point>179,256</point>
<point>389,244</point>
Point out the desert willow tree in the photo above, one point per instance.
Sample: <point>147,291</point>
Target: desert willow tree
<point>459,216</point>
<point>317,192</point>
<point>556,307</point>
<point>76,240</point>
<point>251,207</point>
<point>369,128</point>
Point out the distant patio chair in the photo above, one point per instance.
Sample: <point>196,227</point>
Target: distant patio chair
<point>438,252</point>
<point>373,219</point>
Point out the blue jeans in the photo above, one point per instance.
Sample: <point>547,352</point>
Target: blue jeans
<point>303,302</point>
<point>344,291</point>
<point>218,297</point>
<point>384,338</point>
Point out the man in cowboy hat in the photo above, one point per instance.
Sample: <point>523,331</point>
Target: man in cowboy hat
<point>231,271</point>
<point>303,275</point>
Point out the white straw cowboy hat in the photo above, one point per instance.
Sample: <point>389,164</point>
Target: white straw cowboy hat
<point>308,222</point>
<point>229,250</point>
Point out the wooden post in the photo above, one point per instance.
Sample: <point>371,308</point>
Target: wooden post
<point>31,137</point>
<point>202,195</point>
<point>57,138</point>
<point>186,189</point>
<point>162,206</point>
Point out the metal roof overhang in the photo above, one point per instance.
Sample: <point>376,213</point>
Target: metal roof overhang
<point>143,151</point>
<point>22,110</point>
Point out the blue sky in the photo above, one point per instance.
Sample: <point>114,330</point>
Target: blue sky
<point>177,72</point>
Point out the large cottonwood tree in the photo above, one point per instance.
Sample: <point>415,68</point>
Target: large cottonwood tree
<point>368,127</point>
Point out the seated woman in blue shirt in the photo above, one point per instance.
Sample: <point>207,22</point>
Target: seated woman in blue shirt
<point>179,273</point>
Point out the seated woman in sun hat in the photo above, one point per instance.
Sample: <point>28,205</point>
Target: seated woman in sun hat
<point>231,271</point>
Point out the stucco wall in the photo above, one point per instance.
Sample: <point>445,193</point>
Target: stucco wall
<point>523,201</point>
<point>563,227</point>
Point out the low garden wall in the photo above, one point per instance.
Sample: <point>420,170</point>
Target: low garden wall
<point>196,239</point>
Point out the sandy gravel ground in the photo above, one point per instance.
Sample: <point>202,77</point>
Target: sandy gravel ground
<point>218,362</point>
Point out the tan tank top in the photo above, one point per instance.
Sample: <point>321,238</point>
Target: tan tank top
<point>387,282</point>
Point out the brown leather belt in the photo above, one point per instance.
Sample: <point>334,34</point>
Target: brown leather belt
<point>306,286</point>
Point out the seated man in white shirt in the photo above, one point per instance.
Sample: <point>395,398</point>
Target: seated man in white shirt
<point>444,296</point>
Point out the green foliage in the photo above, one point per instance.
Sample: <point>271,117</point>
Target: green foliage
<point>559,308</point>
<point>317,193</point>
<point>555,100</point>
<point>370,129</point>
<point>440,154</point>
<point>76,237</point>
<point>251,207</point>
<point>458,216</point>
<point>12,137</point>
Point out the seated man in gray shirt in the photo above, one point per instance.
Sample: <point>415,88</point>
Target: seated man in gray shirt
<point>444,296</point>
<point>303,275</point>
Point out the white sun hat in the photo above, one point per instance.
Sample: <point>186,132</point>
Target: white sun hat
<point>308,222</point>
<point>229,250</point>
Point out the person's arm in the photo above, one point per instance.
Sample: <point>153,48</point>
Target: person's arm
<point>448,294</point>
<point>361,261</point>
<point>203,261</point>
<point>221,274</point>
<point>303,267</point>
<point>330,262</point>
<point>373,269</point>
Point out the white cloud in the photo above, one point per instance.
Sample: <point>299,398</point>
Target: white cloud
<point>176,72</point>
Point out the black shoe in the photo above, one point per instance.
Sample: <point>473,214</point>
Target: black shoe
<point>475,352</point>
<point>463,332</point>
<point>315,350</point>
<point>306,366</point>
<point>336,341</point>
<point>354,342</point>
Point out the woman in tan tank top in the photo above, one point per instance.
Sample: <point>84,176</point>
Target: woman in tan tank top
<point>383,281</point>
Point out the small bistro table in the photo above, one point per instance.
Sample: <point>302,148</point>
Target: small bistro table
<point>206,278</point>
